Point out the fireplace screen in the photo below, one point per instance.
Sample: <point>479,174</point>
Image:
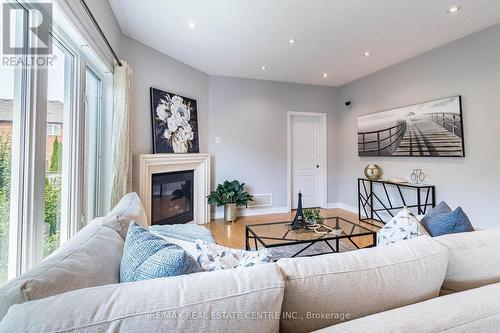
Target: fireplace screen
<point>172,197</point>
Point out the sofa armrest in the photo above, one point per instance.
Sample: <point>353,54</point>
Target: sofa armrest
<point>229,300</point>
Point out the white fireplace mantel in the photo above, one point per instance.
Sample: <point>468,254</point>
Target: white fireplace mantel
<point>159,163</point>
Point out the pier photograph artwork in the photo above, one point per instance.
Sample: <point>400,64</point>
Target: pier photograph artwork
<point>432,129</point>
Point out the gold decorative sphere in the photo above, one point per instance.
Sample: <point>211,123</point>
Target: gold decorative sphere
<point>373,172</point>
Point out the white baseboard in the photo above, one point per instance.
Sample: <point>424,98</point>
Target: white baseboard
<point>340,205</point>
<point>332,205</point>
<point>252,211</point>
<point>219,213</point>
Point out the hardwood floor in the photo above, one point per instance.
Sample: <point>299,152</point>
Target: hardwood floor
<point>233,234</point>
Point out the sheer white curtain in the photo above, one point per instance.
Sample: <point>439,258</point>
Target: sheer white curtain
<point>121,173</point>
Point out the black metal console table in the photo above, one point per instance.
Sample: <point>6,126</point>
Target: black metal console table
<point>367,199</point>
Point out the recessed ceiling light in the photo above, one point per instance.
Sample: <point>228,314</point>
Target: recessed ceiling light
<point>324,75</point>
<point>263,68</point>
<point>367,54</point>
<point>192,24</point>
<point>453,9</point>
<point>292,41</point>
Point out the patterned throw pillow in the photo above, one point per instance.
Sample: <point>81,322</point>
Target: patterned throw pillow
<point>448,223</point>
<point>403,226</point>
<point>189,247</point>
<point>147,256</point>
<point>213,257</point>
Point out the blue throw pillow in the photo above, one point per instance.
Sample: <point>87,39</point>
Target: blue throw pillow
<point>448,223</point>
<point>147,256</point>
<point>441,208</point>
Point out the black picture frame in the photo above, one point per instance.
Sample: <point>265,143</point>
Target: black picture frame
<point>185,139</point>
<point>414,131</point>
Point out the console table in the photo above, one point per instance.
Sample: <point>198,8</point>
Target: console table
<point>371,203</point>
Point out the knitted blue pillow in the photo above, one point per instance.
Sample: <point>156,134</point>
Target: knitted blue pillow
<point>448,223</point>
<point>441,208</point>
<point>146,256</point>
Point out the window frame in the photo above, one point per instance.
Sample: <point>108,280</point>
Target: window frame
<point>55,129</point>
<point>17,218</point>
<point>85,59</point>
<point>71,148</point>
<point>29,130</point>
<point>95,170</point>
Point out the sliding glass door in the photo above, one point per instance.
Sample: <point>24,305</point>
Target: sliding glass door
<point>7,118</point>
<point>50,155</point>
<point>12,102</point>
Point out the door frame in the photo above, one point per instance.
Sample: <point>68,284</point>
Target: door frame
<point>323,155</point>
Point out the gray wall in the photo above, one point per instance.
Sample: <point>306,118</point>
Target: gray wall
<point>154,69</point>
<point>250,117</point>
<point>469,67</point>
<point>105,17</point>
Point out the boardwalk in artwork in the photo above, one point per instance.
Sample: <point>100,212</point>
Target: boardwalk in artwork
<point>424,137</point>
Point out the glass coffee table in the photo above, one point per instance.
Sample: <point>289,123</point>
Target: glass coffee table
<point>276,234</point>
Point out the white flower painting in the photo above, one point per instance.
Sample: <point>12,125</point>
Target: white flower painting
<point>174,123</point>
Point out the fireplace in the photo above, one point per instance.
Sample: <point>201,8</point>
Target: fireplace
<point>197,164</point>
<point>172,197</point>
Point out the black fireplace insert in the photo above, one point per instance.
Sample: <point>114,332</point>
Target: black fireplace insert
<point>172,197</point>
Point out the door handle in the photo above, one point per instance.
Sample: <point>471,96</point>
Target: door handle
<point>317,166</point>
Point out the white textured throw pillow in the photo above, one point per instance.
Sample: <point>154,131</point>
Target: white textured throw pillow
<point>403,226</point>
<point>187,246</point>
<point>213,257</point>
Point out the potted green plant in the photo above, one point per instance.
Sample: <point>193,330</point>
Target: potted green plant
<point>312,216</point>
<point>231,195</point>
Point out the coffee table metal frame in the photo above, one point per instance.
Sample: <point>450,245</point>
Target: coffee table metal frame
<point>252,234</point>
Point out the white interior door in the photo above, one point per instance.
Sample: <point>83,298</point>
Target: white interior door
<point>306,160</point>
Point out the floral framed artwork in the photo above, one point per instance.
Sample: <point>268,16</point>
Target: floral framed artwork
<point>175,123</point>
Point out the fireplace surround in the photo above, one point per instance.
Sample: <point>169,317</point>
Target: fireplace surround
<point>155,166</point>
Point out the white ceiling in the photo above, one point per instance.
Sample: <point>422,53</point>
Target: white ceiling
<point>237,37</point>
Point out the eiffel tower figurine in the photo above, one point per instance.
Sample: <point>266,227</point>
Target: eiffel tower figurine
<point>299,221</point>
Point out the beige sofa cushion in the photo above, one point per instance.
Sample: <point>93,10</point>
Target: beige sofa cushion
<point>91,258</point>
<point>474,259</point>
<point>343,286</point>
<point>129,208</point>
<point>221,301</point>
<point>476,310</point>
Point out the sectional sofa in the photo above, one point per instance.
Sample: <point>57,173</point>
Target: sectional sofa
<point>450,283</point>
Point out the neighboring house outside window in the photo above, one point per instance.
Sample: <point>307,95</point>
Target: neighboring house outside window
<point>54,128</point>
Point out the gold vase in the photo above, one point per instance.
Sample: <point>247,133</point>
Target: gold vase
<point>230,212</point>
<point>373,172</point>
